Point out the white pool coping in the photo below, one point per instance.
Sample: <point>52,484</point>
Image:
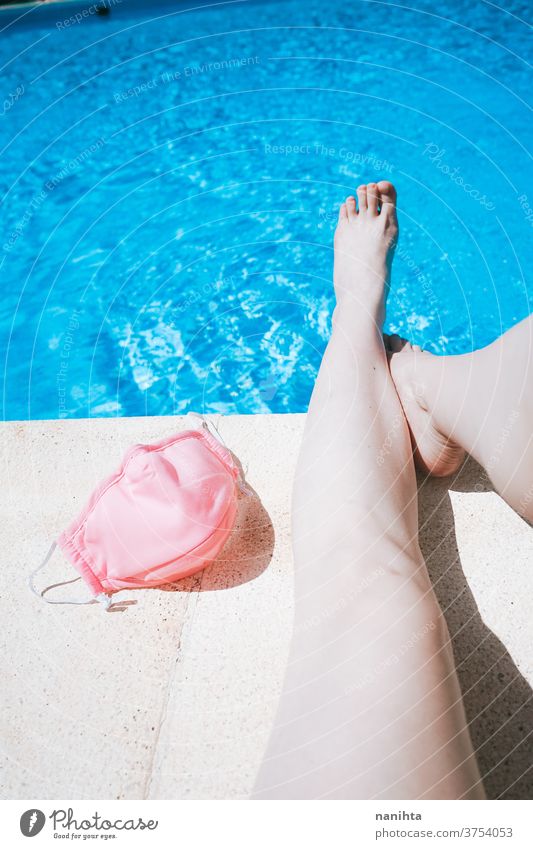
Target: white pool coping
<point>175,697</point>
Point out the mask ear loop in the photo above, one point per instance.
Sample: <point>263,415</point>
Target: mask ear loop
<point>214,431</point>
<point>210,426</point>
<point>101,597</point>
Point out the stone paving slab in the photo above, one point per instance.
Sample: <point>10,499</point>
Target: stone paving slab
<point>175,696</point>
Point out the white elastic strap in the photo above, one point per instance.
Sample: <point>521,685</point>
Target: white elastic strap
<point>243,486</point>
<point>214,431</point>
<point>101,597</point>
<point>211,427</point>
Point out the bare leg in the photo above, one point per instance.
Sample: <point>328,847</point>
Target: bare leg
<point>480,402</point>
<point>371,706</point>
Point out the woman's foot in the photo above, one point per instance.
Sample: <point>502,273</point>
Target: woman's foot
<point>365,239</point>
<point>434,453</point>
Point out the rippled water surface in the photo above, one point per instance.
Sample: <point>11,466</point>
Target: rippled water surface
<point>170,187</point>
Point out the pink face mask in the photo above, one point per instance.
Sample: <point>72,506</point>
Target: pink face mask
<point>165,514</point>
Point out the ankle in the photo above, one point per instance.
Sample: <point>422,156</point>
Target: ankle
<point>358,325</point>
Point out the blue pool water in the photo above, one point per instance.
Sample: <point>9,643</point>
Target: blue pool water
<point>170,181</point>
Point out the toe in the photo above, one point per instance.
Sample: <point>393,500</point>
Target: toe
<point>350,207</point>
<point>387,195</point>
<point>361,199</point>
<point>343,212</point>
<point>372,198</point>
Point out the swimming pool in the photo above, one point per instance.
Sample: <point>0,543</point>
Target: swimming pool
<point>170,180</point>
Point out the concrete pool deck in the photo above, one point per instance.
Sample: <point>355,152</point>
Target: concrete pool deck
<point>174,697</point>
